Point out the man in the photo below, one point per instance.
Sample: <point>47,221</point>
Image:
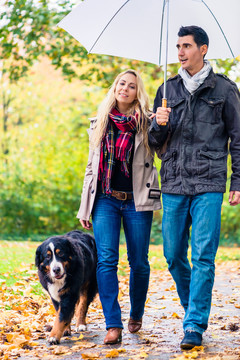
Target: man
<point>203,114</point>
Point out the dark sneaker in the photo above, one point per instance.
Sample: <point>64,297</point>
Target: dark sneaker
<point>191,339</point>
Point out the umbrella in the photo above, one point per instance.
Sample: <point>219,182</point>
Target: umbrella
<point>142,29</point>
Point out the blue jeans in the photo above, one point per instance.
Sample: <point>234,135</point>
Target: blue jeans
<point>108,212</point>
<point>194,285</point>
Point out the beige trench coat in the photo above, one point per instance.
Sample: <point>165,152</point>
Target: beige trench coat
<point>146,191</point>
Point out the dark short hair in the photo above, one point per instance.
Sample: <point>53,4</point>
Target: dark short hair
<point>199,35</point>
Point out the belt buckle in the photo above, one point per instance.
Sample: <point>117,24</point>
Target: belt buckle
<point>125,196</point>
<point>120,195</point>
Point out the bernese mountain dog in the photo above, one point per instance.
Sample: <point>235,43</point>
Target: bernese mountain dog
<point>67,270</point>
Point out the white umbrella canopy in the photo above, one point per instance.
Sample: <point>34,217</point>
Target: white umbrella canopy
<point>137,29</point>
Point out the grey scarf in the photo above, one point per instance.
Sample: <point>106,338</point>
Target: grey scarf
<point>193,82</point>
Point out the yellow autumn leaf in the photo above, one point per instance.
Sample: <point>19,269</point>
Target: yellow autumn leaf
<point>6,357</point>
<point>33,343</point>
<point>192,355</point>
<point>112,354</point>
<point>11,347</point>
<point>75,338</point>
<point>16,338</point>
<point>175,315</point>
<point>143,355</point>
<point>10,337</point>
<point>60,350</point>
<point>90,355</point>
<point>26,331</point>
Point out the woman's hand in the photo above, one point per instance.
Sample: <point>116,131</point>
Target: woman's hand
<point>234,198</point>
<point>86,224</point>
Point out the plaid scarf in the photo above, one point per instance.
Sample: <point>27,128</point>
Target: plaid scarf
<point>116,147</point>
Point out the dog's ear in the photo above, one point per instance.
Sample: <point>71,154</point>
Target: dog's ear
<point>38,256</point>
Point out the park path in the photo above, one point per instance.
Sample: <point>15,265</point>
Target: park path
<point>162,332</point>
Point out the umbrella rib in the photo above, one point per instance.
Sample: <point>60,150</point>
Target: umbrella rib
<point>161,33</point>
<point>219,28</point>
<point>107,25</point>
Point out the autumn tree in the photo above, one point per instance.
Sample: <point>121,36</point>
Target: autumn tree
<point>28,31</point>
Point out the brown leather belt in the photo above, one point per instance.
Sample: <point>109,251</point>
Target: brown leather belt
<point>121,195</point>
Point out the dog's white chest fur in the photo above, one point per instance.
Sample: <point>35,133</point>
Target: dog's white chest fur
<point>57,284</point>
<point>54,289</point>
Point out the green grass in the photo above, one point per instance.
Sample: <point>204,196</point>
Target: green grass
<point>17,260</point>
<point>18,257</point>
<point>14,254</point>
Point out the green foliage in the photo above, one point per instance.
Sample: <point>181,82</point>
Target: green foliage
<point>230,230</point>
<point>28,30</point>
<point>41,176</point>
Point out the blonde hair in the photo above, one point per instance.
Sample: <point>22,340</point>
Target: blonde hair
<point>140,105</point>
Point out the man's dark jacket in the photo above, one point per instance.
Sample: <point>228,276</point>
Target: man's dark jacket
<point>200,128</point>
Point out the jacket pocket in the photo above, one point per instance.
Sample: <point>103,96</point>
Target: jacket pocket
<point>212,165</point>
<point>177,106</point>
<point>168,167</point>
<point>210,110</point>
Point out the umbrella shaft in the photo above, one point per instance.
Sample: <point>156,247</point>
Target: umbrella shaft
<point>166,54</point>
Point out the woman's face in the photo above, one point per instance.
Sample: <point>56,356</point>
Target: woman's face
<point>126,91</point>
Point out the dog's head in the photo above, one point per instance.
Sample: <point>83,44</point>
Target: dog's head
<point>53,257</point>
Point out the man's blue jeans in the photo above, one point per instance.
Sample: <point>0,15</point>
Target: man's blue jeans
<point>108,212</point>
<point>194,285</point>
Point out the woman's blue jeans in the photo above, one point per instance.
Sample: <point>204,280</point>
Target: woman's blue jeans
<point>108,212</point>
<point>194,284</point>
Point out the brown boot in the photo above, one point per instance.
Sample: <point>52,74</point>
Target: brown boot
<point>114,336</point>
<point>134,325</point>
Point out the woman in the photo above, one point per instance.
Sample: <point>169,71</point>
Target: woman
<point>121,184</point>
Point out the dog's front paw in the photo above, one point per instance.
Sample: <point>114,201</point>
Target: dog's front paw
<point>81,327</point>
<point>53,341</point>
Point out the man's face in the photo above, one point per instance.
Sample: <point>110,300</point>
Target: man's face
<point>189,55</point>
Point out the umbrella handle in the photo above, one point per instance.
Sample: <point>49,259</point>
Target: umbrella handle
<point>164,105</point>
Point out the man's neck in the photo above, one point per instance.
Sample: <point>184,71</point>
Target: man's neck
<point>196,70</point>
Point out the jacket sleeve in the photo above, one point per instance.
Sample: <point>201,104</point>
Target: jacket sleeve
<point>157,134</point>
<point>231,113</point>
<point>84,211</point>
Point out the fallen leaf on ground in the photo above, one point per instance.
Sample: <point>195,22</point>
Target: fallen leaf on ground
<point>175,315</point>
<point>112,354</point>
<point>90,355</point>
